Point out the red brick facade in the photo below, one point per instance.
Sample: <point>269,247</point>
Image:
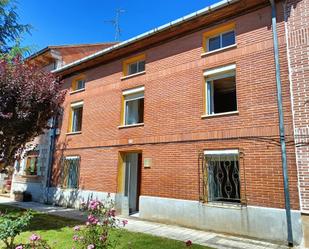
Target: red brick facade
<point>297,18</point>
<point>174,133</point>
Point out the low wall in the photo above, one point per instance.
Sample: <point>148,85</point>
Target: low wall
<point>73,197</point>
<point>34,188</point>
<point>259,222</point>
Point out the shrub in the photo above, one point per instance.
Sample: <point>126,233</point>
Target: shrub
<point>36,242</point>
<point>11,226</point>
<point>96,232</point>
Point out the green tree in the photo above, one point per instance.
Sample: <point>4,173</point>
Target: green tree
<point>11,31</point>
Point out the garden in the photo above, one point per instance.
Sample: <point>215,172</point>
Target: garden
<point>26,229</point>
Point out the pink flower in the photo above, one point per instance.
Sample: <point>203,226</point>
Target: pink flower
<point>76,228</point>
<point>94,204</point>
<point>188,243</point>
<point>87,223</point>
<point>75,237</point>
<point>92,219</point>
<point>34,237</point>
<point>90,246</point>
<point>102,238</point>
<point>19,247</point>
<point>124,222</point>
<point>112,213</point>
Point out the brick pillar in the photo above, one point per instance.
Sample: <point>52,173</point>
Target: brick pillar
<point>297,27</point>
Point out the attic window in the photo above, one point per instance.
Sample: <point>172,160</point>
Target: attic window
<point>134,65</point>
<point>78,84</point>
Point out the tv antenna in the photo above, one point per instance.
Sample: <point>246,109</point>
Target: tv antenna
<point>116,23</point>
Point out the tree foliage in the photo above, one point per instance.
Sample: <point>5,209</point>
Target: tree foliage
<point>10,28</point>
<point>29,97</point>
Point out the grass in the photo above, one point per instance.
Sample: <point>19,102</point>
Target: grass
<point>58,232</point>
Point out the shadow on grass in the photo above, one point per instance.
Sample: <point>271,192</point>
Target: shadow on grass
<point>41,221</point>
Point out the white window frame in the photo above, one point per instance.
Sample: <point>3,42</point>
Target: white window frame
<point>220,35</point>
<point>138,65</point>
<point>74,106</point>
<point>232,152</point>
<point>210,76</point>
<point>131,95</point>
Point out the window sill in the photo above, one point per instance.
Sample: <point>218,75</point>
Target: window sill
<point>132,75</point>
<point>219,50</point>
<point>225,205</point>
<point>77,91</point>
<point>74,133</point>
<point>129,126</point>
<point>30,176</point>
<point>220,114</point>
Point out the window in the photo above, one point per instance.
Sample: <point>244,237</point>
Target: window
<point>134,65</point>
<point>70,172</point>
<point>221,37</point>
<point>76,117</point>
<point>78,84</point>
<point>32,163</point>
<point>220,90</point>
<point>222,177</point>
<point>133,106</point>
<point>220,41</point>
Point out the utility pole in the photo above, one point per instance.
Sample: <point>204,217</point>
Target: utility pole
<point>116,23</point>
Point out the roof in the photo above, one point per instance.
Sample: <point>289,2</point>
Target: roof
<point>77,46</point>
<point>207,15</point>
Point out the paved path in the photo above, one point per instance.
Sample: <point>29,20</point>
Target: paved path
<point>210,239</point>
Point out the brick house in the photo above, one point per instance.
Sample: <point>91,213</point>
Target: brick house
<point>31,172</point>
<point>180,124</point>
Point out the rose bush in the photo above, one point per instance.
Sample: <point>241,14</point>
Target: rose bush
<point>100,222</point>
<point>35,242</point>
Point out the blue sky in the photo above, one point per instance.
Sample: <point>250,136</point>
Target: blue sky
<point>58,22</point>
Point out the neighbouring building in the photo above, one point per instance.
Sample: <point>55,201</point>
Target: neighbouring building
<point>32,170</point>
<point>297,28</point>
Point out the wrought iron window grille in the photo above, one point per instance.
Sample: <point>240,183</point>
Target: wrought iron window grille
<point>222,178</point>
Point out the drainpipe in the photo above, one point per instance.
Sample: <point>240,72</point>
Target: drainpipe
<point>281,126</point>
<point>51,154</point>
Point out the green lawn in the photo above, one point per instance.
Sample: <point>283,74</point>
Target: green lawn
<point>58,232</point>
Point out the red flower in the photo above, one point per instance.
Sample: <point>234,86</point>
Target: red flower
<point>188,243</point>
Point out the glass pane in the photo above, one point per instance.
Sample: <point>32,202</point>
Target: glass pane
<point>223,178</point>
<point>132,68</point>
<point>228,38</point>
<point>209,97</point>
<point>134,111</point>
<point>77,119</point>
<point>70,173</point>
<point>141,66</point>
<point>141,111</point>
<point>214,43</point>
<point>80,84</point>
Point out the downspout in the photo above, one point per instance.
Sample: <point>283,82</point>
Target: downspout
<point>51,155</point>
<point>281,126</point>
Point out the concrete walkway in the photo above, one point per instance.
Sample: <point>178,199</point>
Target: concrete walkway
<point>210,239</point>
